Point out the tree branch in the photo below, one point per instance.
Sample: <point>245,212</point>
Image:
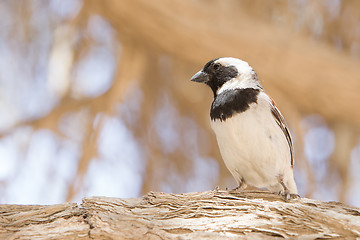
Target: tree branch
<point>211,215</point>
<point>314,76</point>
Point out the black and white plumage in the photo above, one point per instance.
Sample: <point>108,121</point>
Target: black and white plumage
<point>252,135</point>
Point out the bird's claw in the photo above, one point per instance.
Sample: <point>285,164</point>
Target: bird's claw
<point>290,196</point>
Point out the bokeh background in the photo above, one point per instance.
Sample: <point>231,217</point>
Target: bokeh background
<point>95,97</point>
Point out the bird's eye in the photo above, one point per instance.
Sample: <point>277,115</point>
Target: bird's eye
<point>216,66</point>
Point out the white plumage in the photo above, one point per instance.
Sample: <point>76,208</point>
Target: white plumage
<point>252,135</point>
<point>254,148</point>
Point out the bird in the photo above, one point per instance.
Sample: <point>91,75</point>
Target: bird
<point>253,137</point>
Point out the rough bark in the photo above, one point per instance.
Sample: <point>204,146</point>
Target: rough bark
<point>203,215</point>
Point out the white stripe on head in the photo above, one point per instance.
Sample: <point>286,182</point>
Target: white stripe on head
<point>242,66</point>
<point>245,78</point>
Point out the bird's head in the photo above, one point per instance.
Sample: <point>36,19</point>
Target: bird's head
<point>227,73</point>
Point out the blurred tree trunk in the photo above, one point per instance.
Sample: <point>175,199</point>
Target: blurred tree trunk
<point>211,215</point>
<point>305,76</point>
<point>314,77</point>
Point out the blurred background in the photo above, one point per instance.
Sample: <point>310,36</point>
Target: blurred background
<point>95,97</point>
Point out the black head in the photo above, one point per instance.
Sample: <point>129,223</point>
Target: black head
<point>220,70</point>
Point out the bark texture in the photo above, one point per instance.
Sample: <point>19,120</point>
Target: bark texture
<point>202,215</point>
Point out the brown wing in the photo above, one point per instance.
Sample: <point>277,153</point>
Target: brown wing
<point>282,124</point>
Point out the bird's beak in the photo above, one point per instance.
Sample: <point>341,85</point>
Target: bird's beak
<point>200,77</point>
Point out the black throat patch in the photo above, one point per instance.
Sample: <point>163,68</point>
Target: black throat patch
<point>231,102</point>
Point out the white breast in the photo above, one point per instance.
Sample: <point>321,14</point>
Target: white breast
<point>254,147</point>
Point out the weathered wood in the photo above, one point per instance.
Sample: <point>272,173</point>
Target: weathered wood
<point>204,215</point>
<point>43,222</point>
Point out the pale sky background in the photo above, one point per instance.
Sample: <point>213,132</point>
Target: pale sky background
<point>41,174</point>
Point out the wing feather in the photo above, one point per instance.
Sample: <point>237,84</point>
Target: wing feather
<point>282,124</point>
